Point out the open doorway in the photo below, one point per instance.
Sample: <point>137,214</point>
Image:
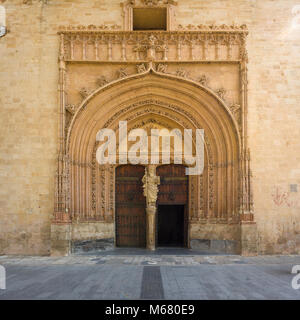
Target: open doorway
<point>170,226</point>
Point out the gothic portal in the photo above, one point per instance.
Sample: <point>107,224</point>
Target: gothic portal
<point>154,79</point>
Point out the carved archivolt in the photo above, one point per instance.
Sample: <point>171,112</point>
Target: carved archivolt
<point>160,68</point>
<point>112,123</point>
<point>205,202</point>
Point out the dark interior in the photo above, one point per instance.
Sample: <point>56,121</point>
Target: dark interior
<point>149,19</point>
<point>170,226</point>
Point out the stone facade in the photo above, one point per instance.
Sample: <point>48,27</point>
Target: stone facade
<point>30,116</point>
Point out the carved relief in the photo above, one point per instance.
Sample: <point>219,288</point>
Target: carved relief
<point>102,81</point>
<point>122,73</point>
<point>150,185</point>
<point>71,108</point>
<point>203,80</point>
<point>182,73</point>
<point>162,68</point>
<point>84,92</point>
<point>210,44</point>
<point>203,27</point>
<point>221,92</point>
<point>141,68</point>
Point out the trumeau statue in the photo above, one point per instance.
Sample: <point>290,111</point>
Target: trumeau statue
<point>151,182</point>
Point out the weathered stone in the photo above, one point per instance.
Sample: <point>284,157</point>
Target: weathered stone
<point>200,244</point>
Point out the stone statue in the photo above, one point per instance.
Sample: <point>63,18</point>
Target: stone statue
<point>151,48</point>
<point>151,182</point>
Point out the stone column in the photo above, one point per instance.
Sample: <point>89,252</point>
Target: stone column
<point>150,185</point>
<point>150,232</point>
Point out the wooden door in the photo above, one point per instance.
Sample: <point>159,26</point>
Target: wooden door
<point>130,207</point>
<point>173,191</point>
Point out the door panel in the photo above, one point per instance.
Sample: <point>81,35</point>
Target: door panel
<point>172,197</point>
<point>130,207</point>
<point>173,188</point>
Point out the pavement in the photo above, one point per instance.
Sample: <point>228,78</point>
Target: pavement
<point>139,274</point>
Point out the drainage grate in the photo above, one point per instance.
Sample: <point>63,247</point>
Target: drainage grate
<point>152,287</point>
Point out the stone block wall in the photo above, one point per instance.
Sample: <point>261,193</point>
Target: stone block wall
<point>29,112</point>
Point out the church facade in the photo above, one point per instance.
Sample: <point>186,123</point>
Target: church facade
<point>73,68</point>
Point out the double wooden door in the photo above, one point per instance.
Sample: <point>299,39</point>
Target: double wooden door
<point>172,215</point>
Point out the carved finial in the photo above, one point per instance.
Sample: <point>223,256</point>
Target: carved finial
<point>101,81</point>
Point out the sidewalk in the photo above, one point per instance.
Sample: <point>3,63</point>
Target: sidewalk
<point>114,275</point>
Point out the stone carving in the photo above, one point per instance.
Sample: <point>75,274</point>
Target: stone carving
<point>162,68</point>
<point>71,108</point>
<point>224,27</point>
<point>152,3</point>
<point>211,44</point>
<point>141,68</point>
<point>30,1</point>
<point>221,92</point>
<point>102,81</point>
<point>150,185</point>
<point>151,46</point>
<point>84,92</point>
<point>235,108</point>
<point>122,73</point>
<point>90,27</point>
<point>203,80</point>
<point>182,73</point>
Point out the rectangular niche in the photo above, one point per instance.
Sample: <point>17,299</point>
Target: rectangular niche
<point>149,19</point>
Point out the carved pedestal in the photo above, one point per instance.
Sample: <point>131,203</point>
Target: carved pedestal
<point>151,212</point>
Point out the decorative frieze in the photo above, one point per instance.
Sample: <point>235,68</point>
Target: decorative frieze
<point>82,44</point>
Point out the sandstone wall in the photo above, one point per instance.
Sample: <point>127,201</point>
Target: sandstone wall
<point>29,112</point>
